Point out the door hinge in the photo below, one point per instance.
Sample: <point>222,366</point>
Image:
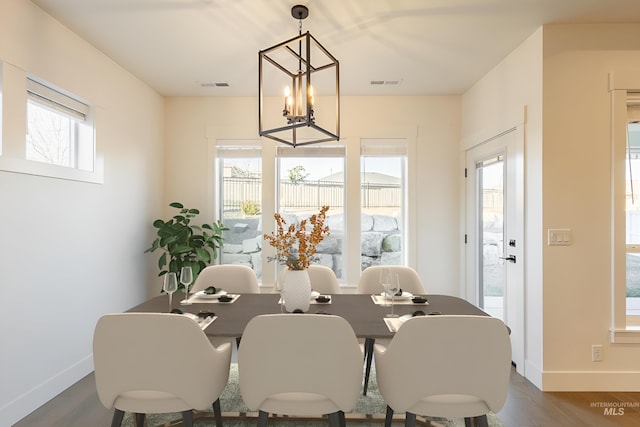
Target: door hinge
<point>465,172</point>
<point>465,238</point>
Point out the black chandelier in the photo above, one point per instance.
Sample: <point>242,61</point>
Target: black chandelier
<point>308,111</point>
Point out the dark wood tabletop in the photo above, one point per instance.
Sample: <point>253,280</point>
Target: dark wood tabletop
<point>364,316</point>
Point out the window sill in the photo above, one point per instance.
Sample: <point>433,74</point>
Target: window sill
<point>29,167</point>
<point>631,335</point>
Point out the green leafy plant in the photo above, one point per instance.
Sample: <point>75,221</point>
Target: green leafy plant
<point>184,244</point>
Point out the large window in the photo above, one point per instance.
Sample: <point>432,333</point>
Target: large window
<point>632,222</point>
<point>626,215</point>
<point>309,178</point>
<point>364,184</point>
<point>240,192</point>
<point>382,202</point>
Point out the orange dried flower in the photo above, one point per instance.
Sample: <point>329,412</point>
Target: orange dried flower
<point>295,248</point>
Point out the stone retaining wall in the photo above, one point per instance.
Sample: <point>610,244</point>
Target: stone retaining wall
<point>381,242</point>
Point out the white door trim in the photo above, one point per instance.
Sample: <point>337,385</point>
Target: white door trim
<point>513,149</point>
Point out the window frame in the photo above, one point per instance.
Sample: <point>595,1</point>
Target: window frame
<point>622,328</point>
<point>327,150</point>
<point>228,136</point>
<point>14,88</point>
<point>234,149</point>
<point>391,147</point>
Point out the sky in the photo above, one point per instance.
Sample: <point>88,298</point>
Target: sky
<point>318,168</point>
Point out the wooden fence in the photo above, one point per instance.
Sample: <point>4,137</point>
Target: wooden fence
<point>307,194</point>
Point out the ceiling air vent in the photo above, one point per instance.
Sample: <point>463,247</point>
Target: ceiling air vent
<point>385,82</point>
<point>212,84</point>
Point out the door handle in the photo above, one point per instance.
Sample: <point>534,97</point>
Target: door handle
<point>510,258</point>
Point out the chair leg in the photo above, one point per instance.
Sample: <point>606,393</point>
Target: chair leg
<point>389,417</point>
<point>217,413</point>
<point>262,418</point>
<point>187,418</point>
<point>409,420</point>
<point>480,421</point>
<point>118,415</point>
<point>368,355</point>
<point>334,419</point>
<point>140,420</point>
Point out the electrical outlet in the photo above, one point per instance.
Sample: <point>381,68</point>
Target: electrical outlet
<point>596,353</point>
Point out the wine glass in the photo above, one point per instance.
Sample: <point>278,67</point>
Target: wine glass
<point>170,285</point>
<point>385,280</point>
<point>186,277</point>
<point>393,287</point>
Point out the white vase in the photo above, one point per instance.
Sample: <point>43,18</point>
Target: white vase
<point>296,290</point>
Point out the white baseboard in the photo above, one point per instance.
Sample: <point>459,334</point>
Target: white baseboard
<point>23,405</point>
<point>533,373</point>
<point>591,381</point>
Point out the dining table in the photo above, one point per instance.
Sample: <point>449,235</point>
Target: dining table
<point>365,314</point>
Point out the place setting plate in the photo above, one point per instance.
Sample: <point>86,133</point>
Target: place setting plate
<point>394,323</point>
<point>220,297</point>
<point>204,295</point>
<point>405,296</point>
<point>202,321</point>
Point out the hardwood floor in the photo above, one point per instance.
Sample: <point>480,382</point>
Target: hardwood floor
<point>526,406</point>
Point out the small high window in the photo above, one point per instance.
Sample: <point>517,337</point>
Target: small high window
<point>58,131</point>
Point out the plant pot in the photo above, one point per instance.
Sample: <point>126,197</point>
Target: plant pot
<point>296,290</point>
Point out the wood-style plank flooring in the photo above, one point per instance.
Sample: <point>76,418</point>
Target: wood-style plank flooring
<point>526,406</point>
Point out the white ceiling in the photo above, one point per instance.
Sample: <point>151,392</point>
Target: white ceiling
<point>429,46</point>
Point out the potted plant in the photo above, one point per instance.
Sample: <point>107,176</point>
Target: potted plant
<point>184,244</point>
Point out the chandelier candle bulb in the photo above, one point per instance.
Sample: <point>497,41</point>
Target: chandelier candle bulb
<point>287,100</point>
<point>299,97</point>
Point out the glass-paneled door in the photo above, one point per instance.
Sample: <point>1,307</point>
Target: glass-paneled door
<point>495,232</point>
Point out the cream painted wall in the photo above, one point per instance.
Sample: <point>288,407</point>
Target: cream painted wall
<point>568,291</point>
<point>577,195</point>
<point>435,119</point>
<point>72,251</point>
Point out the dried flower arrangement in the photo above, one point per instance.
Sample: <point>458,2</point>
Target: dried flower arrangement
<point>295,247</point>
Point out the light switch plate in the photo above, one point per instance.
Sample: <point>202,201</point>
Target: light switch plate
<point>559,237</point>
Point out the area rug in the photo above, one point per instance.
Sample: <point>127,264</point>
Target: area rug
<point>369,412</point>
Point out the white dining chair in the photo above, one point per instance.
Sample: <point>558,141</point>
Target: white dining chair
<point>445,366</point>
<point>409,280</point>
<point>157,363</point>
<point>300,364</point>
<point>323,279</point>
<point>232,278</point>
<point>369,283</point>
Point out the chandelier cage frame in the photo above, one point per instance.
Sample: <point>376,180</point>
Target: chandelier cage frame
<point>299,113</point>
